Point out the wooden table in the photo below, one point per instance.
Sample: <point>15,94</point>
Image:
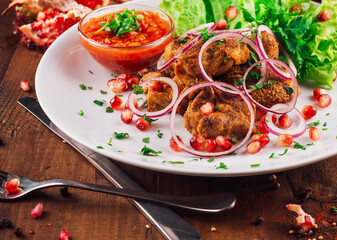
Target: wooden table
<point>28,148</point>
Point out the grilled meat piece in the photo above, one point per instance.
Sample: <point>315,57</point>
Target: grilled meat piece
<point>270,45</point>
<point>231,120</point>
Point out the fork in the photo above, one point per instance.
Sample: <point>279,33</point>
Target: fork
<point>212,203</point>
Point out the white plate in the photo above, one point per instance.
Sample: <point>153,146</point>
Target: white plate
<point>66,65</point>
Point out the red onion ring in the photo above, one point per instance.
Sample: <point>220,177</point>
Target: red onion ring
<point>233,35</point>
<point>286,107</point>
<point>264,54</point>
<point>224,86</point>
<point>294,132</point>
<point>175,94</point>
<point>162,67</point>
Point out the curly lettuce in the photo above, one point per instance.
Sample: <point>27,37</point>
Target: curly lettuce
<point>311,44</point>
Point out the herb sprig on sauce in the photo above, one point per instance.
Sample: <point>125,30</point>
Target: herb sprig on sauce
<point>121,23</point>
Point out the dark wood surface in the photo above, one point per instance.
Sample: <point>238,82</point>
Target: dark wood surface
<point>30,149</point>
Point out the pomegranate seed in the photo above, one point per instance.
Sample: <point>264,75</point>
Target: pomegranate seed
<point>116,102</point>
<point>24,85</point>
<point>132,80</point>
<point>285,140</point>
<point>12,185</point>
<point>41,34</point>
<point>111,83</point>
<point>64,235</point>
<point>31,231</point>
<point>197,142</point>
<point>308,111</point>
<point>318,92</point>
<point>273,118</point>
<point>210,145</point>
<point>261,127</point>
<point>314,133</point>
<point>325,15</point>
<point>157,86</point>
<point>55,12</point>
<point>232,12</point>
<point>135,103</point>
<point>253,147</point>
<point>284,121</point>
<point>324,100</point>
<point>174,145</point>
<point>127,116</point>
<point>36,26</point>
<point>37,211</point>
<point>296,8</point>
<point>119,86</point>
<point>207,108</point>
<point>260,114</point>
<point>142,124</point>
<point>221,24</point>
<point>262,138</point>
<point>223,142</point>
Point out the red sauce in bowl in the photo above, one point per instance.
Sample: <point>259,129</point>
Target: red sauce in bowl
<point>131,51</point>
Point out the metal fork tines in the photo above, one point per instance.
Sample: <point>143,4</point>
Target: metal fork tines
<point>212,203</point>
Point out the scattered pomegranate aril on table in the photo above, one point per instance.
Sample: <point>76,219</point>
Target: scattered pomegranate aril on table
<point>116,102</point>
<point>324,100</point>
<point>127,115</point>
<point>37,210</point>
<point>12,185</point>
<point>304,220</point>
<point>64,235</point>
<point>253,147</point>
<point>261,128</point>
<point>262,138</point>
<point>24,86</point>
<point>285,121</point>
<point>197,142</point>
<point>314,134</point>
<point>318,92</point>
<point>175,146</point>
<point>142,124</point>
<point>308,111</point>
<point>285,140</point>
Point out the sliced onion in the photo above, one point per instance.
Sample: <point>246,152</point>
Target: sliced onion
<point>296,117</point>
<point>282,107</point>
<point>161,66</point>
<point>175,94</point>
<point>264,54</point>
<point>227,88</point>
<point>231,35</point>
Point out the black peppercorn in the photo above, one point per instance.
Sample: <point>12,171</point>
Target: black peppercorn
<point>64,191</point>
<point>18,232</point>
<point>259,220</point>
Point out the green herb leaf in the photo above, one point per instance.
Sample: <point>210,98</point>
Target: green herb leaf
<point>234,139</point>
<point>313,124</point>
<point>255,165</point>
<point>289,90</point>
<point>103,92</point>
<point>238,82</point>
<point>254,76</point>
<point>211,159</point>
<point>90,88</point>
<point>261,85</point>
<point>149,152</point>
<point>205,35</point>
<point>285,151</point>
<point>81,113</point>
<point>182,40</point>
<point>222,165</point>
<point>149,120</point>
<point>91,72</point>
<point>109,109</point>
<point>299,146</point>
<point>99,147</point>
<point>83,87</point>
<point>99,103</point>
<point>272,155</point>
<point>159,134</point>
<point>121,135</point>
<point>216,109</point>
<point>174,162</point>
<point>137,89</point>
<point>146,140</point>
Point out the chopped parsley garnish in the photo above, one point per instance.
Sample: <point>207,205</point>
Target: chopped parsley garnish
<point>146,140</point>
<point>81,113</point>
<point>91,72</point>
<point>99,147</point>
<point>333,209</point>
<point>289,90</point>
<point>83,87</point>
<point>159,134</point>
<point>225,58</point>
<point>137,89</point>
<point>109,143</point>
<point>313,124</point>
<point>299,146</point>
<point>205,35</point>
<point>149,120</point>
<point>255,31</point>
<point>272,155</point>
<point>222,165</point>
<point>182,40</point>
<point>261,85</point>
<point>211,159</point>
<point>121,135</point>
<point>216,109</point>
<point>103,92</point>
<point>109,110</point>
<point>99,103</point>
<point>121,23</point>
<point>267,120</point>
<point>234,139</point>
<point>311,144</point>
<point>90,88</point>
<point>285,151</point>
<point>174,162</point>
<point>324,129</point>
<point>232,153</point>
<point>238,82</point>
<point>144,104</point>
<point>324,124</point>
<point>220,42</point>
<point>119,95</point>
<point>195,160</point>
<point>149,152</point>
<point>255,165</point>
<point>113,75</point>
<point>252,58</point>
<point>254,76</point>
<point>327,114</point>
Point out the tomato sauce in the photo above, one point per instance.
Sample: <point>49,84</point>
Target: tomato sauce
<point>151,28</point>
<point>131,51</point>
